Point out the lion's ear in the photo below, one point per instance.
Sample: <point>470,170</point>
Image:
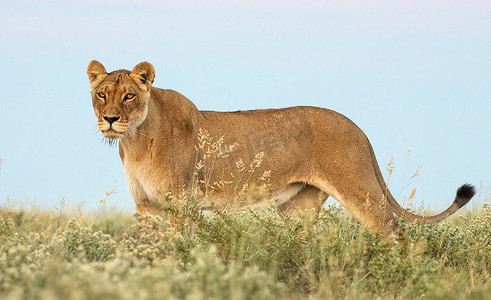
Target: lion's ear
<point>97,73</point>
<point>143,74</point>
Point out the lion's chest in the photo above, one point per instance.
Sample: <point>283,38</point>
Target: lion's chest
<point>142,182</point>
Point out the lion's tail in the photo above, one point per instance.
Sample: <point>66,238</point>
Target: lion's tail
<point>463,196</point>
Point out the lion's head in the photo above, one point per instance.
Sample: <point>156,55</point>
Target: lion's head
<point>120,98</point>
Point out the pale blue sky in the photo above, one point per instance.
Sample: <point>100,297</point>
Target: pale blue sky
<point>409,73</point>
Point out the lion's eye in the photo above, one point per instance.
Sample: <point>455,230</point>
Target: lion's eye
<point>101,95</point>
<point>129,97</point>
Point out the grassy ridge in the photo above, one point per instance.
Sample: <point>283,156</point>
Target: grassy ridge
<point>243,255</point>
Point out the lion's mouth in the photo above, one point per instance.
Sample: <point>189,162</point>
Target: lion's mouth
<point>111,134</point>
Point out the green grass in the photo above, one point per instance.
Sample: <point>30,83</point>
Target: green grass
<point>242,255</point>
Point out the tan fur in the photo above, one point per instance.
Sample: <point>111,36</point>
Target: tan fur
<point>310,152</point>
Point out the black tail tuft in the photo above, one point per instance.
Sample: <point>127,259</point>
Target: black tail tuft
<point>464,194</point>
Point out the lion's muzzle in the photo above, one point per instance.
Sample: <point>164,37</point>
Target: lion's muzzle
<point>112,127</point>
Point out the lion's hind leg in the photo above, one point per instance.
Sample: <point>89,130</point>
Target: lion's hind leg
<point>368,205</point>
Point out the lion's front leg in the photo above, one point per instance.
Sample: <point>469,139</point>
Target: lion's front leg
<point>148,208</point>
<point>143,204</point>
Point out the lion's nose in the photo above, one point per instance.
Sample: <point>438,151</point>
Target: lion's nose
<point>111,120</point>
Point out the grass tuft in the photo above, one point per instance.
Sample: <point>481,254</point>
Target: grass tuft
<point>242,255</point>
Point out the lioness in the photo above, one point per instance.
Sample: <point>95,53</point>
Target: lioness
<point>292,157</point>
